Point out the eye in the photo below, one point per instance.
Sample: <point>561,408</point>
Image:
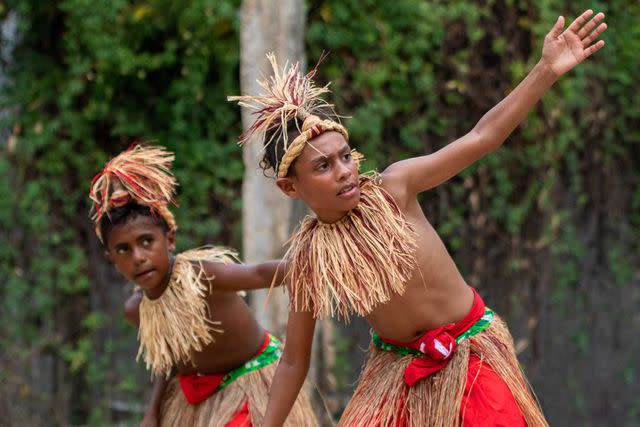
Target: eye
<point>347,156</point>
<point>121,250</point>
<point>323,166</point>
<point>147,241</point>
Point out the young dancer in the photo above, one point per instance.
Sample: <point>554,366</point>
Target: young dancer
<point>212,362</point>
<point>439,357</point>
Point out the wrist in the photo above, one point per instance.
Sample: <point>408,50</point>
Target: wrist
<point>544,70</point>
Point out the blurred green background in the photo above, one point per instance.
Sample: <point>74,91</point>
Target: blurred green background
<point>547,228</point>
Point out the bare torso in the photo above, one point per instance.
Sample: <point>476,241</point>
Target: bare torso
<point>240,340</point>
<point>435,295</point>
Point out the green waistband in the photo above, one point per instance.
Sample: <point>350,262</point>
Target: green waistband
<point>269,355</point>
<point>479,326</point>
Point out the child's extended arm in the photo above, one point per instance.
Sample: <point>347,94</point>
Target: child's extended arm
<point>241,277</point>
<point>561,52</point>
<point>292,369</point>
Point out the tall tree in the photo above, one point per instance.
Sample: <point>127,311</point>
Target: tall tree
<point>268,216</point>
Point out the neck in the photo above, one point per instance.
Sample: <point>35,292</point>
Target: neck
<point>157,292</point>
<point>330,217</point>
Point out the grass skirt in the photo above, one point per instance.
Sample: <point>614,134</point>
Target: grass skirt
<point>382,399</point>
<point>222,406</point>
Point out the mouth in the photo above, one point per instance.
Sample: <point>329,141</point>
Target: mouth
<point>144,274</point>
<point>348,190</point>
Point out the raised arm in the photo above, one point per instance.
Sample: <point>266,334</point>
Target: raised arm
<point>562,51</point>
<point>292,369</point>
<point>239,277</point>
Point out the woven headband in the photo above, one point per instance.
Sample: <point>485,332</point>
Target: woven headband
<point>287,95</point>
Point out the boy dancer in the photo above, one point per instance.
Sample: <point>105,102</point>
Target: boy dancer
<point>439,357</point>
<point>211,360</point>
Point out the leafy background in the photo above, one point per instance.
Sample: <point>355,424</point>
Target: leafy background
<point>547,228</point>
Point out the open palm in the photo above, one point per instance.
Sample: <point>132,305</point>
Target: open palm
<point>563,50</point>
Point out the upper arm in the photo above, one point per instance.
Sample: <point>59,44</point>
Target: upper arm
<point>238,277</point>
<point>132,309</point>
<point>297,349</point>
<point>419,174</point>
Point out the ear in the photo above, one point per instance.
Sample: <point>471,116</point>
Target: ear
<point>288,186</point>
<point>171,240</point>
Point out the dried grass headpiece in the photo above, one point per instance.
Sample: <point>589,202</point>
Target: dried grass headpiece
<point>142,173</point>
<point>288,94</point>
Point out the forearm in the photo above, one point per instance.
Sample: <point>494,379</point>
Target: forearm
<point>159,387</point>
<point>284,390</point>
<point>498,123</point>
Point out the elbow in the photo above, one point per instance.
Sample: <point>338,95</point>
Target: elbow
<point>299,365</point>
<point>485,141</point>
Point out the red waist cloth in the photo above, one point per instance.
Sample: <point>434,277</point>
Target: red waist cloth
<point>199,387</point>
<point>487,400</point>
<point>242,418</point>
<point>438,344</point>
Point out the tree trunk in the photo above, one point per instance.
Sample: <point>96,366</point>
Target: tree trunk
<point>268,216</point>
<point>267,26</point>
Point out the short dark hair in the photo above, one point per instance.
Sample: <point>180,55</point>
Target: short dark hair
<point>274,152</point>
<point>125,213</point>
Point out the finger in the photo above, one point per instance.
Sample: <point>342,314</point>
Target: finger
<point>584,31</point>
<point>580,20</point>
<point>557,27</point>
<point>594,35</point>
<point>593,48</point>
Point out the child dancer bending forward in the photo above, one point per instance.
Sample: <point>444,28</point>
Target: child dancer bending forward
<point>212,362</point>
<point>439,357</point>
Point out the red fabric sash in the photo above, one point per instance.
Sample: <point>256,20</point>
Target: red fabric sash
<point>487,400</point>
<point>199,387</point>
<point>438,344</point>
<point>242,418</point>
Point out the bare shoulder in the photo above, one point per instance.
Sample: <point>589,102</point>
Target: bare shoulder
<point>214,270</point>
<point>132,308</point>
<point>394,181</point>
<point>219,275</point>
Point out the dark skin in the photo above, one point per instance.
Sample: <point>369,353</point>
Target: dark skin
<point>436,294</point>
<point>143,253</point>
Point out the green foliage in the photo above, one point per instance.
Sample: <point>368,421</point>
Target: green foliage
<point>410,75</point>
<point>87,79</point>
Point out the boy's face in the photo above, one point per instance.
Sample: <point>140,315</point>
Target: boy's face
<point>325,177</point>
<point>141,251</point>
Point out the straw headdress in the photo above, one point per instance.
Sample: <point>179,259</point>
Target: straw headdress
<point>287,95</point>
<point>141,174</point>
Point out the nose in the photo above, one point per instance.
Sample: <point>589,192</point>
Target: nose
<point>139,256</point>
<point>343,172</point>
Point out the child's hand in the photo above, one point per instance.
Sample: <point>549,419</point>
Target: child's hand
<point>564,50</point>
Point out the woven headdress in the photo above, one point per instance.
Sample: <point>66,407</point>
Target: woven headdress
<point>287,95</point>
<point>141,174</point>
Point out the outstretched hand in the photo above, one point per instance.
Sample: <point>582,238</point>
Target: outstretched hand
<point>563,50</point>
